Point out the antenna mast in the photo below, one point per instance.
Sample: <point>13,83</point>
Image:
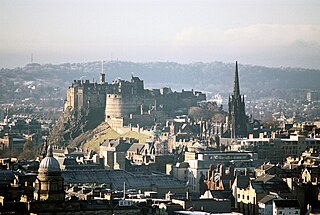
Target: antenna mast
<point>102,66</point>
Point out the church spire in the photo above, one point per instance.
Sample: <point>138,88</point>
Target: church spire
<point>236,89</point>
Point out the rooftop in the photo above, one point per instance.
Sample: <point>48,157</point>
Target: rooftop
<point>291,203</point>
<point>118,177</point>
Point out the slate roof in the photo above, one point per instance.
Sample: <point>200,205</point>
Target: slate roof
<point>266,166</point>
<point>136,146</point>
<point>222,194</point>
<point>118,177</point>
<point>242,181</point>
<point>268,178</point>
<point>284,203</point>
<point>6,176</point>
<point>268,199</point>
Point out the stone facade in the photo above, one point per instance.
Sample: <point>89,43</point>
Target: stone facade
<point>49,185</point>
<point>125,98</point>
<point>83,94</point>
<point>121,98</point>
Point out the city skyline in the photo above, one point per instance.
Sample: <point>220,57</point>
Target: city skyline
<point>268,33</point>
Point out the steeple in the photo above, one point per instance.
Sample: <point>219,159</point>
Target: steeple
<point>237,119</point>
<point>236,89</point>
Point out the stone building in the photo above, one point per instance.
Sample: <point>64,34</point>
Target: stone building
<point>83,94</point>
<point>124,100</point>
<point>237,118</point>
<point>286,206</point>
<point>278,149</point>
<point>49,183</point>
<point>313,96</point>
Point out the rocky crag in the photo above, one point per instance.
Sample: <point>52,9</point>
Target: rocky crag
<point>86,129</point>
<point>73,123</point>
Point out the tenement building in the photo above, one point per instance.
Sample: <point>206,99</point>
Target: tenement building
<point>278,149</point>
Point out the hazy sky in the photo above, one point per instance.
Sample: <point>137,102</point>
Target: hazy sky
<point>261,32</point>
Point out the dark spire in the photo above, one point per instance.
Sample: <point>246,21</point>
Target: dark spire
<point>236,89</point>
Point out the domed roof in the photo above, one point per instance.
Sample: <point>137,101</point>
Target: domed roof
<point>49,163</point>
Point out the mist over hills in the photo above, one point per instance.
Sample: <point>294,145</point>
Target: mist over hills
<point>216,77</point>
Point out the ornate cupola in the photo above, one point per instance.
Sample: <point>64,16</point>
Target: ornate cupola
<point>49,183</point>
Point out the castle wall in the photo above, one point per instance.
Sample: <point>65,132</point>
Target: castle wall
<point>122,98</point>
<point>80,98</point>
<point>72,99</point>
<point>119,106</point>
<point>85,95</point>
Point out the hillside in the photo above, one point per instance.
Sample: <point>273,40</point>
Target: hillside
<point>46,85</point>
<point>49,81</point>
<point>87,130</point>
<point>93,138</point>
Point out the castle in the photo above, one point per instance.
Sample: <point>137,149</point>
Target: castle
<point>122,100</point>
<point>83,94</point>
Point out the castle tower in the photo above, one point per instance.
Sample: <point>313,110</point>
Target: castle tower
<point>237,118</point>
<point>49,183</point>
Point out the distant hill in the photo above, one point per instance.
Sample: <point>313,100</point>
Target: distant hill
<point>51,81</point>
<point>47,84</point>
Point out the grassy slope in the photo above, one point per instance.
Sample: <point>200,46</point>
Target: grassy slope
<point>93,138</point>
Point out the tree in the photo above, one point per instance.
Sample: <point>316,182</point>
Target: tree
<point>28,152</point>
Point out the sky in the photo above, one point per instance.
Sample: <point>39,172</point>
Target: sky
<point>265,32</point>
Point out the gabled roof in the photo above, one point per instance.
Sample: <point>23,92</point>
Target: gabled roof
<point>136,146</point>
<point>265,166</point>
<point>68,150</point>
<point>268,199</point>
<point>268,178</point>
<point>258,187</point>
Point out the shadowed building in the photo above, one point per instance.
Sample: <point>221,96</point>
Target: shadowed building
<point>237,119</point>
<point>49,183</point>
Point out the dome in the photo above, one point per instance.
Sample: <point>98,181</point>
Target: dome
<point>49,163</point>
